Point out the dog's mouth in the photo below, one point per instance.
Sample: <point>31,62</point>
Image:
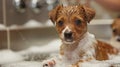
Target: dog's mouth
<point>69,39</point>
<point>69,42</point>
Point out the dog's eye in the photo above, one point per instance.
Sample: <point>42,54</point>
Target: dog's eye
<point>60,23</point>
<point>114,30</point>
<point>77,22</point>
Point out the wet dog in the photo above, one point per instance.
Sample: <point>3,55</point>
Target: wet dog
<point>78,45</point>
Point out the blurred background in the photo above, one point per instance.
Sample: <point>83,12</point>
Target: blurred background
<point>25,23</point>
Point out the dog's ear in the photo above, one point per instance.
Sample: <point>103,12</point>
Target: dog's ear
<point>90,13</point>
<point>53,13</point>
<point>113,23</point>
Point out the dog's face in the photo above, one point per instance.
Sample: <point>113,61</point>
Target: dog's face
<point>71,22</point>
<point>116,29</point>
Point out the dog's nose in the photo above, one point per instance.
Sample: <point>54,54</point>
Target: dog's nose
<point>68,35</point>
<point>118,39</point>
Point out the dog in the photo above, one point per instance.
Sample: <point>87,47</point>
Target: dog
<point>115,40</point>
<point>78,45</point>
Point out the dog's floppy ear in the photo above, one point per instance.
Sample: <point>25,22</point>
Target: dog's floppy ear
<point>113,23</point>
<point>53,13</point>
<point>90,13</point>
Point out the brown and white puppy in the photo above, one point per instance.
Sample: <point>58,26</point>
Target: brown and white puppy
<point>78,45</point>
<point>115,40</point>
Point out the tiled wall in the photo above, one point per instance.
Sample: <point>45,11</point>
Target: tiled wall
<point>3,38</point>
<point>1,13</point>
<point>23,38</point>
<point>14,17</point>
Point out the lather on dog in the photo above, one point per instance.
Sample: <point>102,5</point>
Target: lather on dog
<point>78,45</point>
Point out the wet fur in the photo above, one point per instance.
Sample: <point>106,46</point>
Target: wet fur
<point>68,14</point>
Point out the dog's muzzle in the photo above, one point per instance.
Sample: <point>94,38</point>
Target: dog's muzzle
<point>68,36</point>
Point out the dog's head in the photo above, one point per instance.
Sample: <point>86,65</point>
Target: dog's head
<point>116,29</point>
<point>71,21</point>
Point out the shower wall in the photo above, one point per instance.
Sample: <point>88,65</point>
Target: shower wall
<point>23,38</point>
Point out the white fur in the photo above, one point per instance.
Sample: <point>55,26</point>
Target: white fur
<point>55,23</point>
<point>86,44</point>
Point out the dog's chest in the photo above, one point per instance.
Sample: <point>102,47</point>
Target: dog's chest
<point>71,57</point>
<point>77,55</point>
<point>84,50</point>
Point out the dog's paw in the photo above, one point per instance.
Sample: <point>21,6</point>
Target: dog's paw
<point>49,63</point>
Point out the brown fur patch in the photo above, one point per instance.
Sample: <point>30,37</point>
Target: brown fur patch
<point>103,49</point>
<point>86,13</point>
